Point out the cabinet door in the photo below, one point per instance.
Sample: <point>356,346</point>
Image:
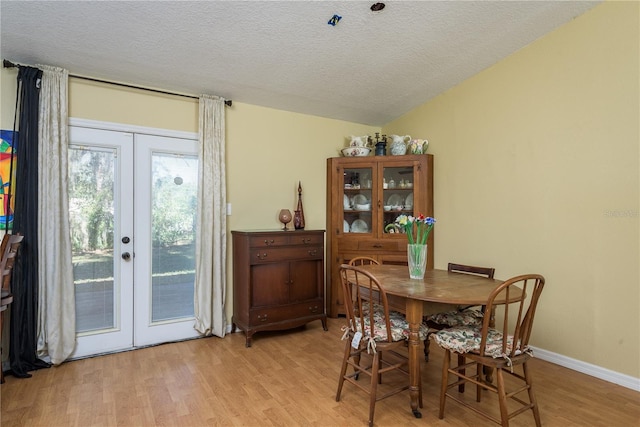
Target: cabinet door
<point>358,199</point>
<point>304,280</point>
<point>269,284</point>
<point>398,198</point>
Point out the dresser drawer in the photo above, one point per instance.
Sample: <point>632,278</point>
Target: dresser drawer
<point>372,245</point>
<point>292,238</point>
<point>286,312</point>
<point>306,239</point>
<point>289,253</point>
<point>381,245</point>
<point>269,241</point>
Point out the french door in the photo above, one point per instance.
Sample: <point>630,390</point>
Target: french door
<point>132,203</point>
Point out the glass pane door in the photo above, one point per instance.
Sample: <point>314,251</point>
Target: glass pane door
<point>174,184</point>
<point>101,215</point>
<point>397,190</point>
<point>166,176</point>
<point>358,200</point>
<point>91,209</point>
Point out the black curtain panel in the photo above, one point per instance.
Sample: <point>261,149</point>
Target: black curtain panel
<point>24,309</point>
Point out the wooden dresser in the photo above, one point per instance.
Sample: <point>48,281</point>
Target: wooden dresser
<point>278,280</point>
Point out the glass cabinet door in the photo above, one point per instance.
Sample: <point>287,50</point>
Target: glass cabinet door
<point>358,200</point>
<point>397,195</point>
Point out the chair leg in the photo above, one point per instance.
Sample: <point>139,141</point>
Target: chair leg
<point>427,342</point>
<point>532,397</point>
<point>445,380</point>
<point>356,360</point>
<point>479,388</point>
<point>488,374</point>
<point>1,326</point>
<point>343,369</point>
<point>461,361</point>
<point>373,390</point>
<point>502,398</point>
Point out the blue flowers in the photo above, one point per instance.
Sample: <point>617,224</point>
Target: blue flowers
<point>417,228</point>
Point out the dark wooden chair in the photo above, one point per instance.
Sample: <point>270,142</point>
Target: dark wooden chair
<point>9,250</point>
<point>502,349</point>
<point>463,315</point>
<point>378,336</point>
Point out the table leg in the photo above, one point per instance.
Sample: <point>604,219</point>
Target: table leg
<point>414,317</point>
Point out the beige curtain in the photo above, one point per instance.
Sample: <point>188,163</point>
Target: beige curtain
<point>56,298</point>
<point>211,229</point>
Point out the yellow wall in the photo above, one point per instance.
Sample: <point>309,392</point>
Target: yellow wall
<point>537,170</point>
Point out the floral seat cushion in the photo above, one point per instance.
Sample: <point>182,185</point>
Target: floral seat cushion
<point>467,317</point>
<point>466,339</point>
<point>398,325</point>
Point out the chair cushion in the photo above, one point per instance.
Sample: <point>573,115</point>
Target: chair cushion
<point>466,339</point>
<point>398,324</point>
<point>467,317</point>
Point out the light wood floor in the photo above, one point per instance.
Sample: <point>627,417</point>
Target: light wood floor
<point>285,379</point>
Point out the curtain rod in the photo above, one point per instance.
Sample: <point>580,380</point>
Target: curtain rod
<point>227,102</point>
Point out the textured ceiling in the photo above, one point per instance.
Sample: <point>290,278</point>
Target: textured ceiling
<point>370,68</point>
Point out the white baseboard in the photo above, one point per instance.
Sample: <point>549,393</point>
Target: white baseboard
<point>587,368</point>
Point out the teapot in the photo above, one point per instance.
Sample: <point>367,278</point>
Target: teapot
<point>359,141</point>
<point>418,146</point>
<point>399,144</point>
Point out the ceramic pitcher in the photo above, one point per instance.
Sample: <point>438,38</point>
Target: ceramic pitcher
<point>358,141</point>
<point>399,144</point>
<point>418,146</point>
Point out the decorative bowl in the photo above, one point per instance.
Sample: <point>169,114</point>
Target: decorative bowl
<point>364,207</point>
<point>356,151</point>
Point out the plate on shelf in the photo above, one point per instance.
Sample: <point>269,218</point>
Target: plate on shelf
<point>408,202</point>
<point>360,199</point>
<point>395,200</point>
<point>346,203</point>
<point>346,227</point>
<point>359,226</point>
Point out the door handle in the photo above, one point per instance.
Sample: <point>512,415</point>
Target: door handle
<point>126,256</point>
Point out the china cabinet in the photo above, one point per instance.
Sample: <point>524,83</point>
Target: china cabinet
<point>364,196</point>
<point>278,280</point>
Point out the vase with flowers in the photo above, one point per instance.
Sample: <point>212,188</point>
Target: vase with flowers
<point>417,230</point>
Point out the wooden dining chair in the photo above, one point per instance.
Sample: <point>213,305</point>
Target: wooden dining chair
<point>377,336</point>
<point>504,349</point>
<point>363,260</point>
<point>9,251</point>
<point>463,315</point>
